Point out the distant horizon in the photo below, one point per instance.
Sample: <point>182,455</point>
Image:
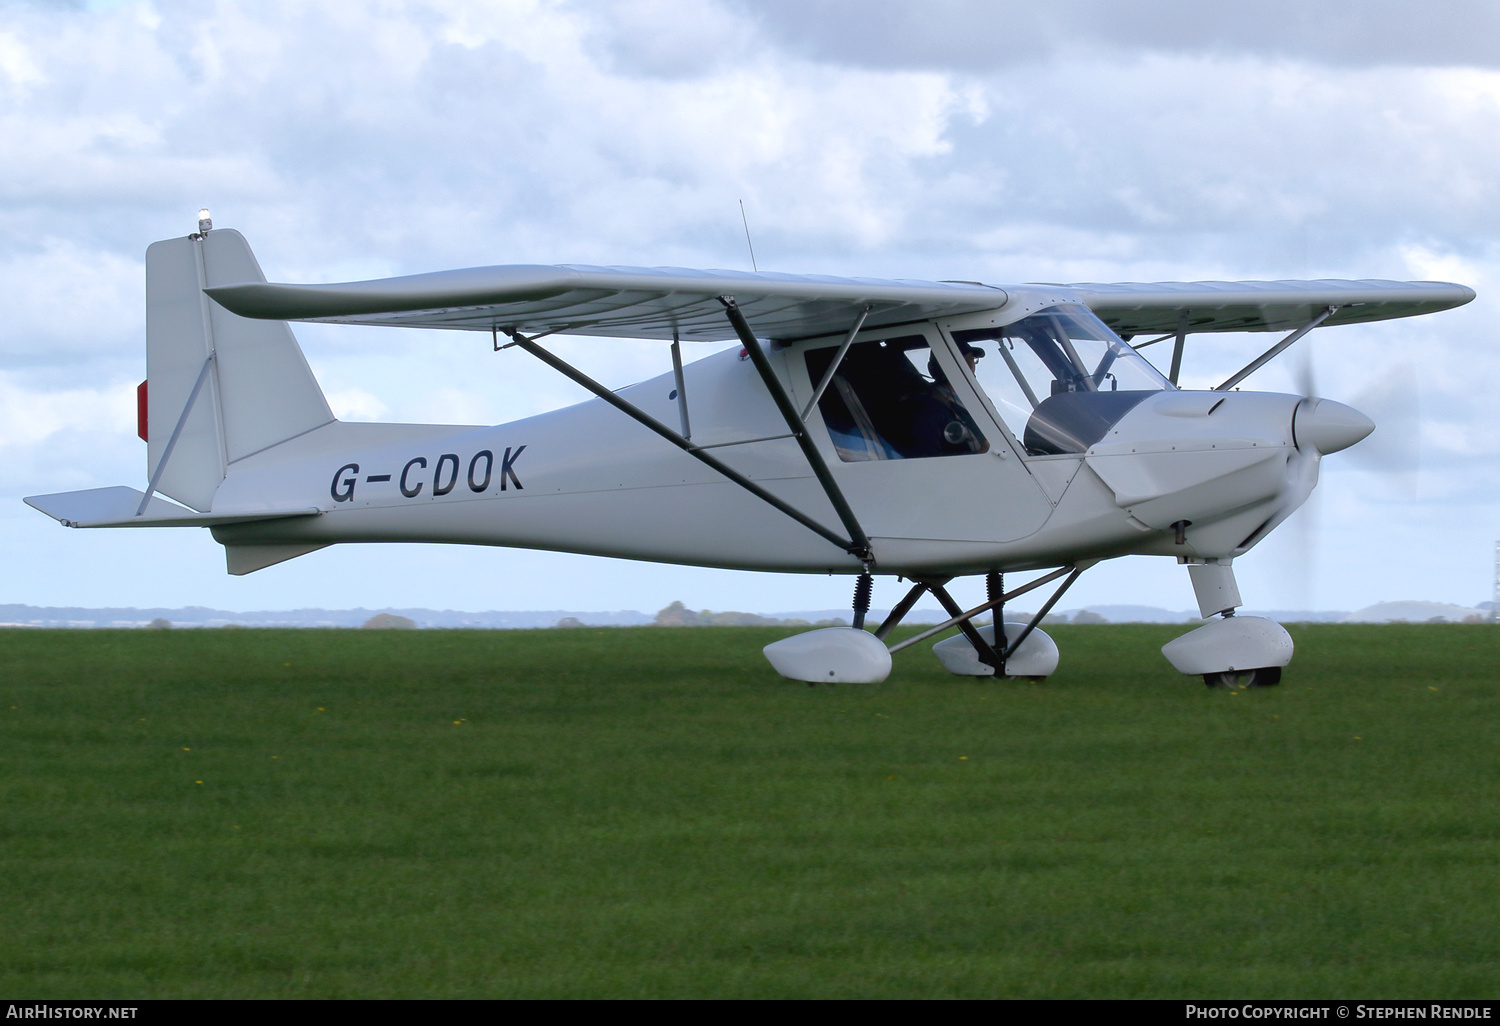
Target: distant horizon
<point>103,617</point>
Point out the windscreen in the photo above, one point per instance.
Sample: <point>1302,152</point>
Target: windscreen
<point>1059,378</point>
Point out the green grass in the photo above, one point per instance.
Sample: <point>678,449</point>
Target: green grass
<point>652,813</point>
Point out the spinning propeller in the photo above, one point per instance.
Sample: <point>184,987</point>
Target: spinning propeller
<point>1392,450</point>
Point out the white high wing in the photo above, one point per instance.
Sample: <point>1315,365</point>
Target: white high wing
<point>925,430</point>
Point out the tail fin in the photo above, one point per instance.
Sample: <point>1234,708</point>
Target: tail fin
<point>220,387</point>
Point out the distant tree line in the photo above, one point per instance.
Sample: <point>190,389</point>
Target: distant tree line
<point>679,615</point>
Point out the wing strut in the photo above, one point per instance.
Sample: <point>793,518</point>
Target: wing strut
<point>859,547</point>
<point>1177,347</point>
<point>1275,351</point>
<point>1138,346</point>
<point>682,407</point>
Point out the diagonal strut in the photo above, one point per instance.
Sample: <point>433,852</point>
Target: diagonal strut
<point>799,430</point>
<point>854,548</point>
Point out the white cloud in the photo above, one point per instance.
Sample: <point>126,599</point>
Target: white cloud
<point>1425,263</point>
<point>28,416</point>
<point>73,308</point>
<point>16,63</point>
<point>356,404</point>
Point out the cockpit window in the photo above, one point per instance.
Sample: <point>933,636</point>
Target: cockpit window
<point>1060,378</point>
<point>891,400</point>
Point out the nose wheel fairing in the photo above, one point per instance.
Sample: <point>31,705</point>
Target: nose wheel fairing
<point>1231,645</point>
<point>1231,651</point>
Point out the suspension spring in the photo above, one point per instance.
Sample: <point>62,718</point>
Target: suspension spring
<point>862,588</point>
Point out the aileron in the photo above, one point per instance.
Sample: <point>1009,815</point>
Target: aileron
<point>1134,308</point>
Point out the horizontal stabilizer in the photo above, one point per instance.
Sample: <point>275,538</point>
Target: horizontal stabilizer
<point>117,507</point>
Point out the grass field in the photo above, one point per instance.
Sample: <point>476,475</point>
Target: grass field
<point>652,813</point>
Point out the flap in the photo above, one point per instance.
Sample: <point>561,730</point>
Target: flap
<point>625,302</point>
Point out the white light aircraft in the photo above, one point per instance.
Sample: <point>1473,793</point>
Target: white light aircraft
<point>910,429</point>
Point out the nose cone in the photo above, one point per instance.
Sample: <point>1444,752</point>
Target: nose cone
<point>1325,426</point>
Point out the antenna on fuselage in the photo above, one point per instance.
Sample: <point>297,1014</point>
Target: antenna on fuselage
<point>746,222</point>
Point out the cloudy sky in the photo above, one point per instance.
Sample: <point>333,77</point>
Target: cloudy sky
<point>1068,141</point>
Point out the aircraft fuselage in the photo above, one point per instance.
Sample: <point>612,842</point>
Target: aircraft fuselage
<point>587,479</point>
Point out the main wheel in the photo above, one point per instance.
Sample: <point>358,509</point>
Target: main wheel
<point>1263,677</point>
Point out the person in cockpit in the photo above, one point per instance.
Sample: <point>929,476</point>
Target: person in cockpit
<point>943,423</point>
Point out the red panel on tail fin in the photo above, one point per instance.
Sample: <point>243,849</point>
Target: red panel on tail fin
<point>140,411</point>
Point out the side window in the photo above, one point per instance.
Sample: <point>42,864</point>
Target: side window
<point>890,400</point>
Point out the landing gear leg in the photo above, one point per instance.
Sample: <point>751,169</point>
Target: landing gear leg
<point>1029,653</point>
<point>983,647</point>
<point>1025,651</point>
<point>862,587</point>
<point>1231,651</point>
<point>899,613</point>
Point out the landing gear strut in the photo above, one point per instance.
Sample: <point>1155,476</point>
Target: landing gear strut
<point>1018,650</point>
<point>852,655</point>
<point>862,587</point>
<point>1231,651</point>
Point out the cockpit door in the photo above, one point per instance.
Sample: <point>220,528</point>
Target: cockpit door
<point>1058,378</point>
<point>912,445</point>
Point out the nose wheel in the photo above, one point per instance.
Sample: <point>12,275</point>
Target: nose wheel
<point>1239,680</point>
<point>1233,652</point>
